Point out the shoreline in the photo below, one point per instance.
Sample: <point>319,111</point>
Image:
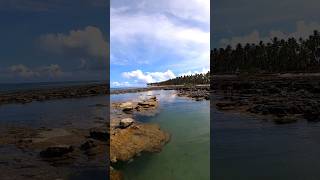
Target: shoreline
<point>90,90</point>
<point>282,98</point>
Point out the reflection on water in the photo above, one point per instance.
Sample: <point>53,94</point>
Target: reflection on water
<point>246,148</point>
<point>187,154</point>
<point>55,113</point>
<point>79,113</point>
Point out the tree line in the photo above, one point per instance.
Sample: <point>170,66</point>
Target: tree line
<point>195,79</point>
<point>277,56</point>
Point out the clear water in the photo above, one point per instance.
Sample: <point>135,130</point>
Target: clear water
<point>247,148</point>
<point>187,155</point>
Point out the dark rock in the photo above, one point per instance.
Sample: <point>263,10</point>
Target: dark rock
<point>56,151</point>
<point>88,145</point>
<point>99,135</point>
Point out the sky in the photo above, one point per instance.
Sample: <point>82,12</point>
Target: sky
<point>242,21</point>
<point>152,40</point>
<point>53,40</point>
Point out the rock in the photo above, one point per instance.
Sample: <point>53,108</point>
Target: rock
<point>56,151</point>
<point>128,143</point>
<point>101,135</point>
<point>285,120</point>
<point>126,122</point>
<point>115,175</point>
<point>147,104</point>
<point>154,98</point>
<point>88,145</point>
<point>225,105</point>
<point>127,106</point>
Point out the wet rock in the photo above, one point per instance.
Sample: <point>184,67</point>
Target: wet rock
<point>115,175</point>
<point>146,104</point>
<point>88,145</point>
<point>285,120</point>
<point>225,105</point>
<point>124,123</point>
<point>128,143</point>
<point>127,106</point>
<point>101,135</point>
<point>56,151</point>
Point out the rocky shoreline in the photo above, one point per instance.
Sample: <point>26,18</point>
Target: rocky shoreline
<point>80,91</point>
<point>129,137</point>
<point>281,98</point>
<point>50,152</point>
<point>27,96</point>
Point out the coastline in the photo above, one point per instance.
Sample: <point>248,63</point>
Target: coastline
<point>281,98</point>
<point>90,90</point>
<point>63,146</point>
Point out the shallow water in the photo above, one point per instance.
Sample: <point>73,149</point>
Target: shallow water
<point>187,155</point>
<point>247,148</point>
<point>78,113</point>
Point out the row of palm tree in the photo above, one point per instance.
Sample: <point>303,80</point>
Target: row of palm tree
<point>277,56</point>
<point>195,79</point>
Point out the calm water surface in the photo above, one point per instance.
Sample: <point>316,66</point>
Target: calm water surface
<point>247,148</point>
<point>187,155</point>
<point>67,113</point>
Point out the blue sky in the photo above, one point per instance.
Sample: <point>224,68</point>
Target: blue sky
<point>53,40</point>
<point>153,40</point>
<point>241,21</point>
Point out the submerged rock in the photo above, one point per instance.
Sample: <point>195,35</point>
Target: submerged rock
<point>56,151</point>
<point>285,120</point>
<point>99,134</point>
<point>115,175</point>
<point>128,143</point>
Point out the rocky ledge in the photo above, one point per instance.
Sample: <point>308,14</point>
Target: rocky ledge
<point>282,98</point>
<point>129,137</point>
<point>28,96</point>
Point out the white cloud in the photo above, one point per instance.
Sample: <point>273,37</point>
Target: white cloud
<point>120,84</point>
<point>159,32</point>
<point>188,73</point>
<point>303,30</point>
<point>149,77</point>
<point>24,71</point>
<point>89,40</point>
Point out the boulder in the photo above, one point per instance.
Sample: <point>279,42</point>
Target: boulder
<point>127,106</point>
<point>126,122</point>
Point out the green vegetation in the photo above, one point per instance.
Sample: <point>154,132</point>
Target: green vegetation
<point>278,56</point>
<point>195,79</point>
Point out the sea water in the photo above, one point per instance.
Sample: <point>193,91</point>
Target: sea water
<point>187,155</point>
<point>251,148</point>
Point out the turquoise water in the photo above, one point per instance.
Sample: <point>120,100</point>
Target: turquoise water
<point>187,155</point>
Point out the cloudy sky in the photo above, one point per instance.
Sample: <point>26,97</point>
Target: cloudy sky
<point>241,21</point>
<point>152,40</point>
<point>53,40</point>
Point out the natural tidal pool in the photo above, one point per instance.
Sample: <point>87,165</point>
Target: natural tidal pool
<point>249,148</point>
<point>187,155</point>
<point>69,114</point>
